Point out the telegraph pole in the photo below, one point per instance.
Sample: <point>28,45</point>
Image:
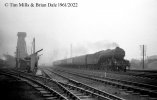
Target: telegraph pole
<point>143,48</point>
<point>71,50</point>
<point>34,45</point>
<point>143,56</point>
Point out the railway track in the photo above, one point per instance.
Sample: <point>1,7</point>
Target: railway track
<point>73,84</point>
<point>47,92</point>
<point>152,75</point>
<point>119,77</point>
<point>53,90</point>
<point>143,74</point>
<point>131,87</point>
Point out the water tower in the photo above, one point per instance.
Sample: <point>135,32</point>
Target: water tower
<point>21,49</point>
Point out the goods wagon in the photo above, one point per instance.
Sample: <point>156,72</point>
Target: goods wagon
<point>112,60</point>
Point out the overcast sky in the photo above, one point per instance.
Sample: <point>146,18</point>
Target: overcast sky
<point>92,26</point>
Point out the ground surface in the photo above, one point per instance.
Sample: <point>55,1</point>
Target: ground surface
<point>14,89</point>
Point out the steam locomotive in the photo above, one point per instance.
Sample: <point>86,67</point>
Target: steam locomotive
<point>108,60</point>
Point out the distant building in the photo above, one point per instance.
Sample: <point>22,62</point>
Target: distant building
<point>10,60</point>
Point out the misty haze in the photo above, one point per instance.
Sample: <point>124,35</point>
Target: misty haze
<point>86,29</point>
<point>78,49</point>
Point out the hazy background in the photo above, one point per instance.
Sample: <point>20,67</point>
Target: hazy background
<point>94,25</point>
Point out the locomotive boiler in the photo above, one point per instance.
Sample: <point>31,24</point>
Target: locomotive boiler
<point>109,60</point>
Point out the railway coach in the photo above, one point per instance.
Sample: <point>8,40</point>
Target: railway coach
<point>109,60</point>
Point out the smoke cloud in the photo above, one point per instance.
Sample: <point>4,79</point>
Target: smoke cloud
<point>82,49</point>
<point>101,45</point>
